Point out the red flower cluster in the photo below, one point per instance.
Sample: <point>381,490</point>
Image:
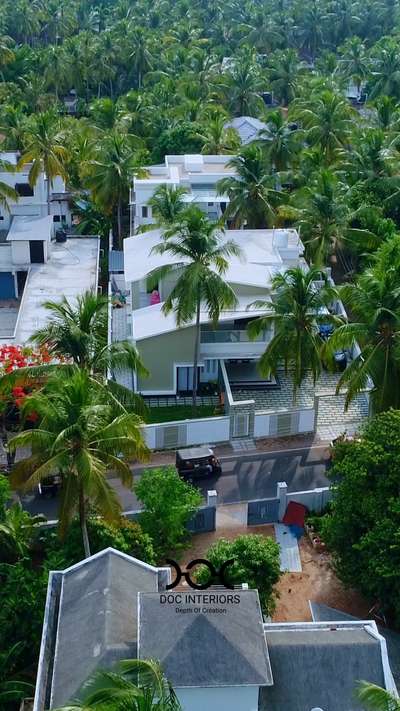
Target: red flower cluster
<point>13,357</point>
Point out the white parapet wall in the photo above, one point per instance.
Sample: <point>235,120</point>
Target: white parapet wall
<point>184,433</point>
<point>284,422</point>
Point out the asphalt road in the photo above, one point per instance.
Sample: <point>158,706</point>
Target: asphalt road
<point>244,477</point>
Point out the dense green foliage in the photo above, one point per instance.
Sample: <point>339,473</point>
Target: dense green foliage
<point>163,77</point>
<point>169,503</point>
<point>126,536</point>
<point>363,527</point>
<point>256,563</point>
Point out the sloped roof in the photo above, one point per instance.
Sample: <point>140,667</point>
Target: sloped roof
<point>30,229</point>
<point>324,613</point>
<point>247,127</point>
<point>97,618</point>
<point>205,648</point>
<point>151,321</point>
<point>320,667</point>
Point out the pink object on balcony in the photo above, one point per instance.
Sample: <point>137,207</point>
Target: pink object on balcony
<point>155,297</point>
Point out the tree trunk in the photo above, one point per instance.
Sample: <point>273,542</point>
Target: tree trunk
<point>83,524</point>
<point>48,193</point>
<point>4,438</point>
<point>119,219</point>
<point>196,356</point>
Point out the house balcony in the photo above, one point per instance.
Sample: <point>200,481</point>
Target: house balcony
<point>232,343</point>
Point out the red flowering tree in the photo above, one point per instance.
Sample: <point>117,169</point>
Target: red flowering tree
<point>12,358</point>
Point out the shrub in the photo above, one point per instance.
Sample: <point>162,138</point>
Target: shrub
<point>257,563</point>
<point>169,504</point>
<point>127,537</point>
<point>363,528</point>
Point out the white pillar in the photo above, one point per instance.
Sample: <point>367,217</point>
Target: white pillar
<point>212,498</point>
<point>281,493</point>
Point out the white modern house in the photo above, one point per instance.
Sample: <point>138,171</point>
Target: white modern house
<point>252,406</point>
<point>264,252</point>
<point>214,646</point>
<point>32,201</point>
<point>199,174</point>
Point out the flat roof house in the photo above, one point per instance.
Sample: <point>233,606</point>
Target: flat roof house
<point>32,201</point>
<point>199,174</point>
<point>35,268</point>
<point>213,645</point>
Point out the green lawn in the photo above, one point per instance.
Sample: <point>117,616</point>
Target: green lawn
<point>179,412</point>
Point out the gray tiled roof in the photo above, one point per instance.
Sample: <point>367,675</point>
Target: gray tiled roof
<point>320,668</point>
<point>324,613</point>
<point>97,618</point>
<point>206,649</point>
<point>247,127</point>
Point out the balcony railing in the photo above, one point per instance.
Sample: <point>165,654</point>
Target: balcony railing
<point>232,336</point>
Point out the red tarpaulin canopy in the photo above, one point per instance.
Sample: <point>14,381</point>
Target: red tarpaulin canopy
<point>295,514</point>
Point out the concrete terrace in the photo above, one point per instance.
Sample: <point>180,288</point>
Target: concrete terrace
<point>71,270</point>
<point>331,414</point>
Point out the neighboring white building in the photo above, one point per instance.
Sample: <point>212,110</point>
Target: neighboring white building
<point>34,268</point>
<point>33,200</point>
<point>199,174</point>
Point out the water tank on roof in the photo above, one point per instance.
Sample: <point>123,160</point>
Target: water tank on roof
<point>61,236</point>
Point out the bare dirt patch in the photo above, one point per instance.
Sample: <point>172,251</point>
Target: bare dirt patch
<point>318,583</point>
<point>201,542</point>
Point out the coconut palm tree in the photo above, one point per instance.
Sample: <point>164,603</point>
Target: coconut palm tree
<point>201,255</point>
<point>295,310</point>
<point>309,30</point>
<point>44,150</point>
<point>374,301</point>
<point>137,685</point>
<point>387,113</point>
<point>109,174</point>
<point>7,54</point>
<point>81,434</point>
<point>6,191</point>
<point>375,698</point>
<point>353,63</point>
<point>141,56</point>
<point>326,118</point>
<point>241,86</point>
<point>321,212</point>
<point>284,70</point>
<point>12,125</point>
<point>12,689</point>
<point>279,141</point>
<point>385,72</point>
<point>77,333</point>
<point>252,194</point>
<point>217,138</point>
<point>167,203</point>
<point>17,530</point>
